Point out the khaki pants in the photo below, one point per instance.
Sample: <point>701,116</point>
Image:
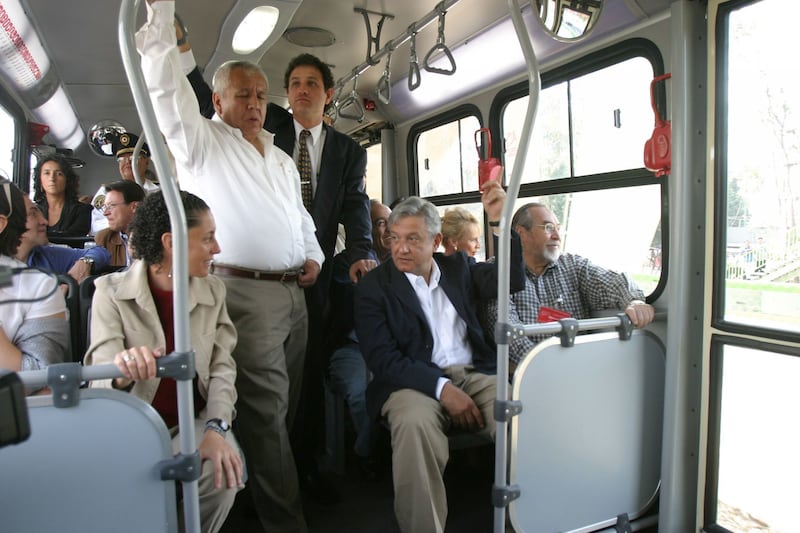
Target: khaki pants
<point>420,451</point>
<point>272,323</point>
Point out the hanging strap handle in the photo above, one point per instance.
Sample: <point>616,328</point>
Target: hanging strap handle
<point>440,47</point>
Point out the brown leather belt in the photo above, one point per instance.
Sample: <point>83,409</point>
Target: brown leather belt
<point>286,277</point>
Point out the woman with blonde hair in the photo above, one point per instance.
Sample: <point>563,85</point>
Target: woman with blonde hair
<point>460,232</point>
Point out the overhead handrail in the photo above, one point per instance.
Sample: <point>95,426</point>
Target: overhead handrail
<point>180,279</point>
<point>395,43</point>
<point>414,78</point>
<point>502,494</point>
<point>440,47</point>
<point>384,87</point>
<point>352,101</point>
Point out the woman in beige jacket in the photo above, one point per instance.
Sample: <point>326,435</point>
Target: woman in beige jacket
<point>132,326</point>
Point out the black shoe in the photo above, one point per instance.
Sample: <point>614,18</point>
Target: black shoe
<point>319,488</point>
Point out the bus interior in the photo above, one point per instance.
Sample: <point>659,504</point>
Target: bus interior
<point>666,142</point>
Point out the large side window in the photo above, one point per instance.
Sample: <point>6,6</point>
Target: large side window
<point>752,464</point>
<point>375,171</point>
<point>585,159</point>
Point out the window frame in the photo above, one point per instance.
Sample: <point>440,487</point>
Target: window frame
<point>606,57</point>
<point>20,157</point>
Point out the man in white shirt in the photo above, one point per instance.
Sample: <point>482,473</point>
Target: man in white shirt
<point>269,248</point>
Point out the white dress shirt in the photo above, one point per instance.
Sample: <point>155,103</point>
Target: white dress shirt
<point>255,199</point>
<point>449,331</point>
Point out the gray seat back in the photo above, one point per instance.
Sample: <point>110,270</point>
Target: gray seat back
<point>587,446</point>
<point>91,467</point>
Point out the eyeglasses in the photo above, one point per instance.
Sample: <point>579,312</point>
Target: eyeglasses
<point>7,189</point>
<point>110,207</point>
<point>549,227</point>
<point>128,157</point>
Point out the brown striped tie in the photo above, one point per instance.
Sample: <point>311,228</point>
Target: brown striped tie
<point>304,167</point>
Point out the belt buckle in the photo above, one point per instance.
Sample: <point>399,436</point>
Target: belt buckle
<point>256,275</point>
<point>284,275</point>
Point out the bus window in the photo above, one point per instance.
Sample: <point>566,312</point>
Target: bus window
<point>8,132</point>
<point>608,113</point>
<point>757,400</point>
<point>375,172</point>
<point>446,159</point>
<point>584,216</point>
<point>760,171</point>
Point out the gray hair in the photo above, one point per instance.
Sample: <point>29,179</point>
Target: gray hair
<point>523,215</point>
<point>414,206</point>
<point>222,76</point>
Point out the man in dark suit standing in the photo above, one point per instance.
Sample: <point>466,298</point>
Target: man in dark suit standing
<point>338,167</point>
<point>417,325</point>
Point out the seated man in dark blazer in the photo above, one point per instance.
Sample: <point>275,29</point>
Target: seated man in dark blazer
<point>416,321</point>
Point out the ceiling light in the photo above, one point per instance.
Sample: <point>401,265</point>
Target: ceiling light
<point>254,29</point>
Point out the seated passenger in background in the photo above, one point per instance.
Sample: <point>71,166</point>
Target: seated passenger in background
<point>416,322</point>
<point>123,146</point>
<point>347,370</point>
<point>132,326</point>
<point>32,334</point>
<point>56,186</point>
<point>120,202</point>
<point>460,231</point>
<point>558,284</point>
<point>35,250</point>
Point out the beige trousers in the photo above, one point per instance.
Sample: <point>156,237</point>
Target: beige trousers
<point>419,426</point>
<point>272,323</point>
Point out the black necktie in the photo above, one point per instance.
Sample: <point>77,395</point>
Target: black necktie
<point>304,167</point>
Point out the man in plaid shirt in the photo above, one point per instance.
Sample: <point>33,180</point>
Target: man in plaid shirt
<point>560,285</point>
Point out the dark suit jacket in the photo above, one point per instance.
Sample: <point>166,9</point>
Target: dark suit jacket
<point>394,334</point>
<point>339,196</point>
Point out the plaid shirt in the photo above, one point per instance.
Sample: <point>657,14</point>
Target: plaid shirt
<point>572,284</point>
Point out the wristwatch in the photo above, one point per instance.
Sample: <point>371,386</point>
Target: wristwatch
<point>89,261</point>
<point>218,425</point>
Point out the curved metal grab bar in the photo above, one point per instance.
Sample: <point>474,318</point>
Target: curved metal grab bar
<point>180,268</point>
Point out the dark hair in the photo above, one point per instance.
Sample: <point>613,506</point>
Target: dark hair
<point>130,191</point>
<point>9,238</point>
<point>309,60</point>
<point>73,180</point>
<point>151,221</point>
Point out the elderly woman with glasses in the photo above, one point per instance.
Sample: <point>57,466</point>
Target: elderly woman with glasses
<point>132,326</point>
<point>56,186</point>
<point>33,321</point>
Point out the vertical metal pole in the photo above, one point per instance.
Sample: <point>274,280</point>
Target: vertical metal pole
<point>504,254</point>
<point>180,277</point>
<point>686,347</point>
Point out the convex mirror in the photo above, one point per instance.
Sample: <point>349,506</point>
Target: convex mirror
<point>568,20</point>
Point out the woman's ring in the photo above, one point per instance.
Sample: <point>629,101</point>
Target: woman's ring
<point>127,358</point>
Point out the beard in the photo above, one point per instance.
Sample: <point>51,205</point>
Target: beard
<point>552,256</point>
